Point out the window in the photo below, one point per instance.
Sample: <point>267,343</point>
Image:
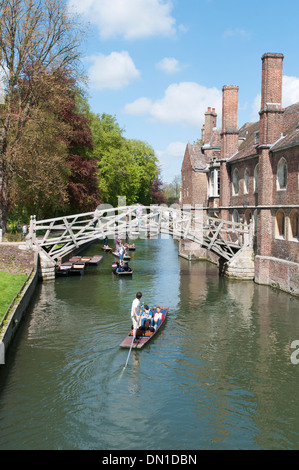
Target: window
<point>294,225</point>
<point>256,178</point>
<point>282,174</point>
<point>280,224</point>
<point>235,216</point>
<point>256,138</point>
<point>214,183</point>
<point>255,222</point>
<point>235,182</point>
<point>248,217</point>
<point>246,181</point>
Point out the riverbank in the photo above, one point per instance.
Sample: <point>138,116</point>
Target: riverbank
<point>15,259</point>
<point>18,278</point>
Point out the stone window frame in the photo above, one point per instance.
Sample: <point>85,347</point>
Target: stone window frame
<point>214,180</point>
<point>280,225</point>
<point>282,175</point>
<point>235,182</point>
<point>246,180</point>
<point>293,226</point>
<point>235,215</point>
<point>256,179</point>
<point>254,219</point>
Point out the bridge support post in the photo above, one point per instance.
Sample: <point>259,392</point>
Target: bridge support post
<point>240,267</point>
<point>47,267</point>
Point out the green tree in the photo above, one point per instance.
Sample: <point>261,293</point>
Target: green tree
<point>172,190</point>
<point>36,38</point>
<point>125,167</point>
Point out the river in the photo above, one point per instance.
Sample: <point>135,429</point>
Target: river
<point>219,375</point>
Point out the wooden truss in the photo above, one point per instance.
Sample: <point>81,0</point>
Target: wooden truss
<point>58,236</point>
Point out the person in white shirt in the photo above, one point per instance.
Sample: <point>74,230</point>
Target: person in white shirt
<point>135,312</point>
<point>158,315</point>
<point>24,231</point>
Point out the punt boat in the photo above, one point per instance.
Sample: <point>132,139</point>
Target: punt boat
<point>143,336</point>
<point>126,257</point>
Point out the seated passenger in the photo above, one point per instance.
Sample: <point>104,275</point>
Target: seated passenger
<point>127,268</point>
<point>117,268</point>
<point>120,268</point>
<point>146,317</point>
<point>157,318</point>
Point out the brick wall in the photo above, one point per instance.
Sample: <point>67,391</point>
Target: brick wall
<point>186,178</point>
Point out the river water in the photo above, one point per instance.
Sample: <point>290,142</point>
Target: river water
<point>218,375</point>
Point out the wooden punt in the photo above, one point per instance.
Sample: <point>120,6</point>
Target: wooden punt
<point>107,250</point>
<point>131,247</point>
<point>75,259</point>
<point>95,260</point>
<point>77,269</point>
<point>126,257</point>
<point>64,269</point>
<point>123,273</point>
<point>143,337</point>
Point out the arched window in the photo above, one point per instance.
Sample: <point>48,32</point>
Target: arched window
<point>235,182</point>
<point>235,216</point>
<point>282,174</point>
<point>248,217</point>
<point>256,178</point>
<point>246,181</point>
<point>255,222</point>
<point>280,224</point>
<point>294,225</point>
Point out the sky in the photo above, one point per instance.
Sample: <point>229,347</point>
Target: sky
<point>157,65</point>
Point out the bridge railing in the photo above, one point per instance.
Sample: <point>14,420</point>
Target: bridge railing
<point>57,236</point>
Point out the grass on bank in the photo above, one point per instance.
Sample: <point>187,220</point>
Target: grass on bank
<point>10,286</point>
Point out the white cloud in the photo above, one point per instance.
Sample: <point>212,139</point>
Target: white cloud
<point>290,90</point>
<point>290,95</point>
<point>256,106</point>
<point>171,160</point>
<point>184,103</point>
<point>237,32</point>
<point>130,18</point>
<point>169,65</point>
<point>139,107</point>
<point>114,71</point>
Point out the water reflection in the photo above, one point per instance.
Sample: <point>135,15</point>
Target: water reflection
<point>218,375</point>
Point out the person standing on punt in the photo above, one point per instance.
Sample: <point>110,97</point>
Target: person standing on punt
<point>135,314</point>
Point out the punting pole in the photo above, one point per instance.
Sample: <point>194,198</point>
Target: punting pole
<point>130,351</point>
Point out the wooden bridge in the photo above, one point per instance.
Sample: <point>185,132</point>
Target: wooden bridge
<point>54,238</point>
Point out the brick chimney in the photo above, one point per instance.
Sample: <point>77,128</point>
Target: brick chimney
<point>230,133</point>
<point>271,127</point>
<point>271,113</point>
<point>210,123</point>
<point>229,140</point>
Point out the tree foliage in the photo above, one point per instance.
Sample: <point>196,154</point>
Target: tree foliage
<point>55,174</point>
<point>172,190</point>
<point>126,167</point>
<point>37,38</point>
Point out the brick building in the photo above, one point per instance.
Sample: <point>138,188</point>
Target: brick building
<point>252,174</point>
